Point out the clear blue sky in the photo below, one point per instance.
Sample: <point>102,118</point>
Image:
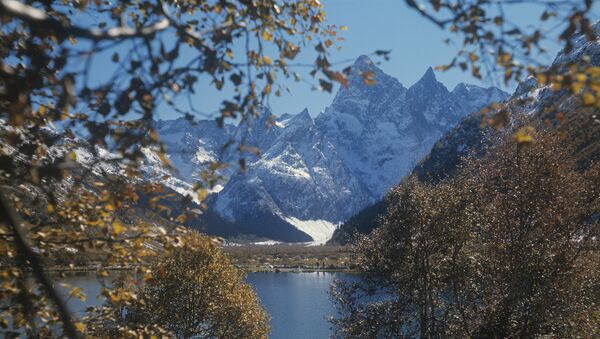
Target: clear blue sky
<point>416,44</point>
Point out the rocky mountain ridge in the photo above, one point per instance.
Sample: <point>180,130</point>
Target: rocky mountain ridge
<point>530,100</point>
<point>315,173</point>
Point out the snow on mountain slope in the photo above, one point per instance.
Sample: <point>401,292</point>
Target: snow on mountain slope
<point>320,230</point>
<point>315,173</point>
<point>381,131</point>
<point>300,176</point>
<point>191,148</point>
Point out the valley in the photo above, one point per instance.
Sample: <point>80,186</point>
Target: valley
<point>315,173</point>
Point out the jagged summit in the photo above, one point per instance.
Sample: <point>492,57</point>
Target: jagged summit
<point>304,115</point>
<point>428,77</point>
<point>363,61</point>
<point>429,85</point>
<point>315,173</point>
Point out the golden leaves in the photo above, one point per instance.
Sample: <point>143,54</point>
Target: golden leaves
<point>542,79</point>
<point>589,99</point>
<point>80,326</point>
<point>524,135</point>
<point>78,293</point>
<point>266,60</point>
<point>118,227</point>
<point>267,36</point>
<point>473,57</point>
<point>579,81</point>
<point>338,76</point>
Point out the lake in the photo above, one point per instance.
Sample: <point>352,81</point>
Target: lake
<point>298,303</point>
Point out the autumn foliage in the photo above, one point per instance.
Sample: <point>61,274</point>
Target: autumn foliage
<point>73,135</point>
<point>507,247</point>
<point>195,292</point>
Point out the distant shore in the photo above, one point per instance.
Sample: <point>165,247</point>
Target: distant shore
<point>259,258</point>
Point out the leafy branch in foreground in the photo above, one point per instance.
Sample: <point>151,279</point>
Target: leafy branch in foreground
<point>493,42</point>
<point>58,109</point>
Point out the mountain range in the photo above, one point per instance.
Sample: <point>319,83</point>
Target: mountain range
<point>558,108</point>
<point>315,173</point>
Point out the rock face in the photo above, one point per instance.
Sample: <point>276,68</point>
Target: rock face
<point>381,131</point>
<point>529,99</point>
<point>315,173</point>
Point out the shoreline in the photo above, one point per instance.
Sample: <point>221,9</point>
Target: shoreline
<point>245,269</point>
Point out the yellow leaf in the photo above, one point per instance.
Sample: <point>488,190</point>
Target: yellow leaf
<point>524,135</point>
<point>154,136</point>
<point>267,36</point>
<point>343,28</point>
<point>588,98</point>
<point>369,78</point>
<point>50,208</point>
<point>542,79</point>
<point>576,87</point>
<point>118,228</point>
<point>267,89</point>
<point>581,77</point>
<point>80,327</point>
<point>202,194</point>
<point>473,57</point>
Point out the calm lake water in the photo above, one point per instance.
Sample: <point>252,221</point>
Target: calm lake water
<point>297,302</point>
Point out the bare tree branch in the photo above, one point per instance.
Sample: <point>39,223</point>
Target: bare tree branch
<point>412,4</point>
<point>37,17</point>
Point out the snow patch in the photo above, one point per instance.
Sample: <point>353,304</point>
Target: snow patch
<point>320,230</point>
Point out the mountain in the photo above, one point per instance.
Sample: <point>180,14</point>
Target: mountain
<point>311,174</point>
<point>565,112</point>
<point>381,131</point>
<point>315,173</point>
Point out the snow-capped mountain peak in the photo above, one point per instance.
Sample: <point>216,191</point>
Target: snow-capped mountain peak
<point>315,173</point>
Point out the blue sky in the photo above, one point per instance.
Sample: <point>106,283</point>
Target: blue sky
<point>416,44</point>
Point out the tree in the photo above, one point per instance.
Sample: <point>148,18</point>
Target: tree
<point>414,261</point>
<point>196,293</point>
<point>163,52</point>
<point>505,248</point>
<point>56,107</point>
<point>537,236</point>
